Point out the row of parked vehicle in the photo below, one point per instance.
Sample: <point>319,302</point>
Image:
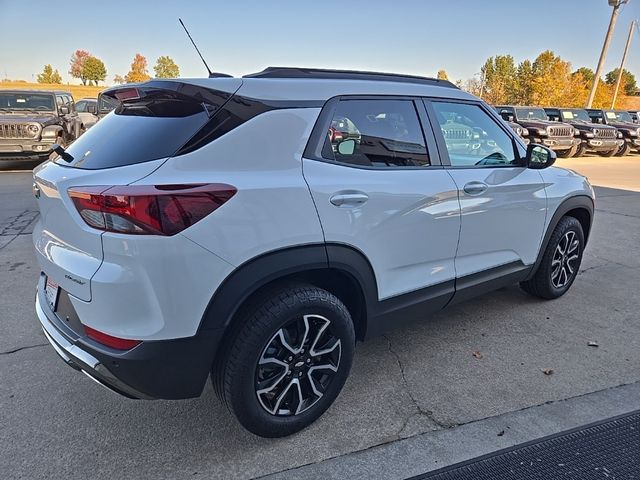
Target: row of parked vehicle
<point>33,121</point>
<point>572,132</point>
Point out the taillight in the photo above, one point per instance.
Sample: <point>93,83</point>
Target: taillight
<point>148,209</point>
<point>109,341</point>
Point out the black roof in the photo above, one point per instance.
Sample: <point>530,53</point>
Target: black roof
<point>318,73</point>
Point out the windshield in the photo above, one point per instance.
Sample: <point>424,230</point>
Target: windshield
<point>618,116</point>
<point>26,101</point>
<point>531,114</point>
<point>575,114</point>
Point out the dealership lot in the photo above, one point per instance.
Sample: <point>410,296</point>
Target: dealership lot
<point>415,380</point>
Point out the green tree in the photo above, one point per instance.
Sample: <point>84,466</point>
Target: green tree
<point>119,79</point>
<point>442,75</point>
<point>49,75</point>
<point>165,67</point>
<point>499,77</point>
<point>587,74</point>
<point>138,72</point>
<point>524,76</point>
<point>94,70</point>
<point>628,80</point>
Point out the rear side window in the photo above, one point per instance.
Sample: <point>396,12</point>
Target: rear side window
<point>376,133</point>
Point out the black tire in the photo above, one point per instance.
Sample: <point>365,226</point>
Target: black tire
<point>580,151</point>
<point>544,283</point>
<point>610,153</point>
<point>625,149</point>
<point>566,153</point>
<point>289,385</point>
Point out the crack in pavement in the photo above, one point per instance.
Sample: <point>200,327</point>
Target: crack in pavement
<point>616,213</point>
<point>9,352</point>
<point>419,410</point>
<point>18,224</point>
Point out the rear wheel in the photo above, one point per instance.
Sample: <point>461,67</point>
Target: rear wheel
<point>625,149</point>
<point>560,262</point>
<point>288,362</point>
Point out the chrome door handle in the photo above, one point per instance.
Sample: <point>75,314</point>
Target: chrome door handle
<point>354,199</point>
<point>475,188</point>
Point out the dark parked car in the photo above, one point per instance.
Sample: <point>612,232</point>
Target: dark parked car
<point>601,139</point>
<point>521,131</point>
<point>32,121</point>
<point>621,120</point>
<point>558,136</point>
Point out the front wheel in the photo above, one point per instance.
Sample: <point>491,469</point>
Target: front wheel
<point>289,360</point>
<point>568,153</point>
<point>610,153</point>
<point>560,262</point>
<point>625,149</point>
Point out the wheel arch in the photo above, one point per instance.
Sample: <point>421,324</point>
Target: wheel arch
<point>339,269</point>
<point>581,207</point>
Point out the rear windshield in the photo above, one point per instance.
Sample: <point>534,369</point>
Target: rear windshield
<point>118,139</point>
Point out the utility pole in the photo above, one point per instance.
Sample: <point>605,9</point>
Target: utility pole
<point>624,60</point>
<point>616,4</point>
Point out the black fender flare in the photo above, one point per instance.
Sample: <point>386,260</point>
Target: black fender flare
<point>572,203</point>
<point>260,271</point>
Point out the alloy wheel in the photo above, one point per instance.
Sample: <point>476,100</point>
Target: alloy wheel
<point>297,365</point>
<point>565,260</point>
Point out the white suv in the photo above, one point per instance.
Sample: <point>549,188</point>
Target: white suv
<point>253,228</point>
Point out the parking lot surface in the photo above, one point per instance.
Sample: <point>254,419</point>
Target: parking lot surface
<point>478,360</point>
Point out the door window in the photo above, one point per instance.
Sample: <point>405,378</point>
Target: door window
<point>472,137</point>
<point>81,106</point>
<point>376,133</point>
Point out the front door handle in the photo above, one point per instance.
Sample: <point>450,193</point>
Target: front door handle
<point>475,188</point>
<point>350,199</point>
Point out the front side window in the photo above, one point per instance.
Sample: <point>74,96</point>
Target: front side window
<point>472,137</point>
<point>81,106</point>
<point>376,133</point>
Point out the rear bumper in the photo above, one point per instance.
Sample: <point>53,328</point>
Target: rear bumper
<point>167,369</point>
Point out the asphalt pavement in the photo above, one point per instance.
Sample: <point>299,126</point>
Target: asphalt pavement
<point>417,398</point>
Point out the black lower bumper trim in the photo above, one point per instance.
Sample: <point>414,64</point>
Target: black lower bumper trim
<point>607,449</point>
<point>163,369</point>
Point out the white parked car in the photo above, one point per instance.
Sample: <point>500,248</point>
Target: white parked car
<point>87,109</point>
<point>254,228</point>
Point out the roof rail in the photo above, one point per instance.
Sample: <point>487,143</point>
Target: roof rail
<point>319,73</point>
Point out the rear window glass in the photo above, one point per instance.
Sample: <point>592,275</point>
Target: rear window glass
<point>118,140</point>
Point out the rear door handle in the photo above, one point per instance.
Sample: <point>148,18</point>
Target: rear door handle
<point>475,188</point>
<point>350,199</point>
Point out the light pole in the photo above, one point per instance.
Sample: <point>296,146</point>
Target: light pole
<point>616,4</point>
<point>624,59</point>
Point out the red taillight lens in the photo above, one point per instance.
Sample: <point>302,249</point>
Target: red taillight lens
<point>148,209</point>
<point>109,341</point>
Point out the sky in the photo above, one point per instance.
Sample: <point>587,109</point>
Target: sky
<point>244,36</point>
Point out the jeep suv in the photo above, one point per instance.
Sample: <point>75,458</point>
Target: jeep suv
<point>558,136</point>
<point>32,121</point>
<point>623,122</point>
<point>601,139</point>
<point>197,243</point>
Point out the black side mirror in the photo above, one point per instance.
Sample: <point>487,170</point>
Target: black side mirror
<point>507,117</point>
<point>64,110</point>
<point>599,120</point>
<point>67,157</point>
<point>91,108</point>
<point>539,156</point>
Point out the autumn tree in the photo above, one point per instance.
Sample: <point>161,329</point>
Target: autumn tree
<point>49,75</point>
<point>165,67</point>
<point>442,75</point>
<point>119,79</point>
<point>628,80</point>
<point>499,77</point>
<point>138,72</point>
<point>77,65</point>
<point>94,70</point>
